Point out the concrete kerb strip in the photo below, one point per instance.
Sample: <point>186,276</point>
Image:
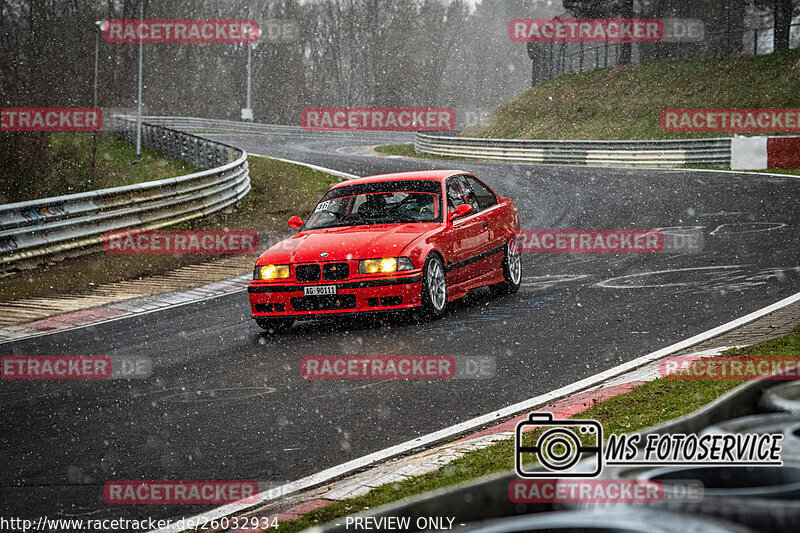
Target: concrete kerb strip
<point>123,309</point>
<point>590,384</point>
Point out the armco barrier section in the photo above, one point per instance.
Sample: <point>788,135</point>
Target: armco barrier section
<point>648,153</point>
<point>38,228</point>
<point>759,153</point>
<point>209,125</point>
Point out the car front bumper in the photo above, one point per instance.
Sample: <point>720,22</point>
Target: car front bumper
<point>285,299</point>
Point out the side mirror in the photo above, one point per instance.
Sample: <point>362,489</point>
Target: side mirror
<point>461,211</point>
<point>295,222</point>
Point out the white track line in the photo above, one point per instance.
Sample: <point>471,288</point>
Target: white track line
<point>344,175</point>
<point>475,423</point>
<point>740,172</point>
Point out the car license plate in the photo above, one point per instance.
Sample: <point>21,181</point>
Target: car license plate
<point>319,290</point>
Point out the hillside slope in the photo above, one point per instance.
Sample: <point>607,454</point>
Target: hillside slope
<point>625,102</point>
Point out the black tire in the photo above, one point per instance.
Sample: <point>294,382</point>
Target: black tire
<point>784,397</point>
<point>434,302</point>
<point>512,275</point>
<point>786,423</point>
<point>274,326</point>
<point>775,516</point>
<point>762,498</point>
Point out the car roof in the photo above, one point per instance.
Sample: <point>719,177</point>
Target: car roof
<point>437,175</point>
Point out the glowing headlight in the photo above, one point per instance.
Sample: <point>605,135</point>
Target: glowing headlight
<point>384,265</point>
<point>274,271</point>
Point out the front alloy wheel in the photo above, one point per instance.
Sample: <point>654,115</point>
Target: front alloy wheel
<point>434,287</point>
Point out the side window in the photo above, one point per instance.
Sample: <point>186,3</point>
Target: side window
<point>468,196</point>
<point>483,194</point>
<point>458,192</point>
<point>455,194</point>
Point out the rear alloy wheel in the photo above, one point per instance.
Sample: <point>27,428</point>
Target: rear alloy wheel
<point>274,326</point>
<point>434,287</point>
<point>512,269</point>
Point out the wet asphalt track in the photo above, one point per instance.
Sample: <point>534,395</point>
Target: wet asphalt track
<point>225,402</point>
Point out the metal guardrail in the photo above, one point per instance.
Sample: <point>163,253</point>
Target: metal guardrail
<point>647,153</point>
<point>210,125</point>
<point>51,225</point>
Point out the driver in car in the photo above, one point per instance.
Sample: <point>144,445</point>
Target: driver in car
<point>374,206</point>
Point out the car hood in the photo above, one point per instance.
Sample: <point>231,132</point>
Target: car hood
<point>347,243</point>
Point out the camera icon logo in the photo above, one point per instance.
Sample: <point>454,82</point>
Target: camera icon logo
<point>560,448</point>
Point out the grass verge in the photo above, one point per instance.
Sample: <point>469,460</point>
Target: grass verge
<point>407,150</point>
<point>647,405</point>
<point>279,190</point>
<point>626,102</point>
<point>69,168</point>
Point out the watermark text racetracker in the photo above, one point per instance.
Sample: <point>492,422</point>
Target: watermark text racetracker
<point>181,242</point>
<point>575,449</point>
<point>50,119</point>
<point>180,492</point>
<point>642,241</point>
<point>398,367</point>
<point>181,31</point>
<point>668,30</point>
<point>731,120</point>
<point>586,30</point>
<point>378,118</point>
<point>729,368</point>
<point>75,367</point>
<point>602,491</point>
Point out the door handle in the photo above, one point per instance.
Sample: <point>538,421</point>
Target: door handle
<point>485,224</point>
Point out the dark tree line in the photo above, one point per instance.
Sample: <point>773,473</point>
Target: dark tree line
<point>345,52</point>
<point>725,22</point>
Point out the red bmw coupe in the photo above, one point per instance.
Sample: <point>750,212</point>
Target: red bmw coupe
<point>386,243</point>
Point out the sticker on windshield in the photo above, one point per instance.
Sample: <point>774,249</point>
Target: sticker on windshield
<point>322,205</point>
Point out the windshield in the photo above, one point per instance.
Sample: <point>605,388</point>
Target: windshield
<point>376,208</point>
